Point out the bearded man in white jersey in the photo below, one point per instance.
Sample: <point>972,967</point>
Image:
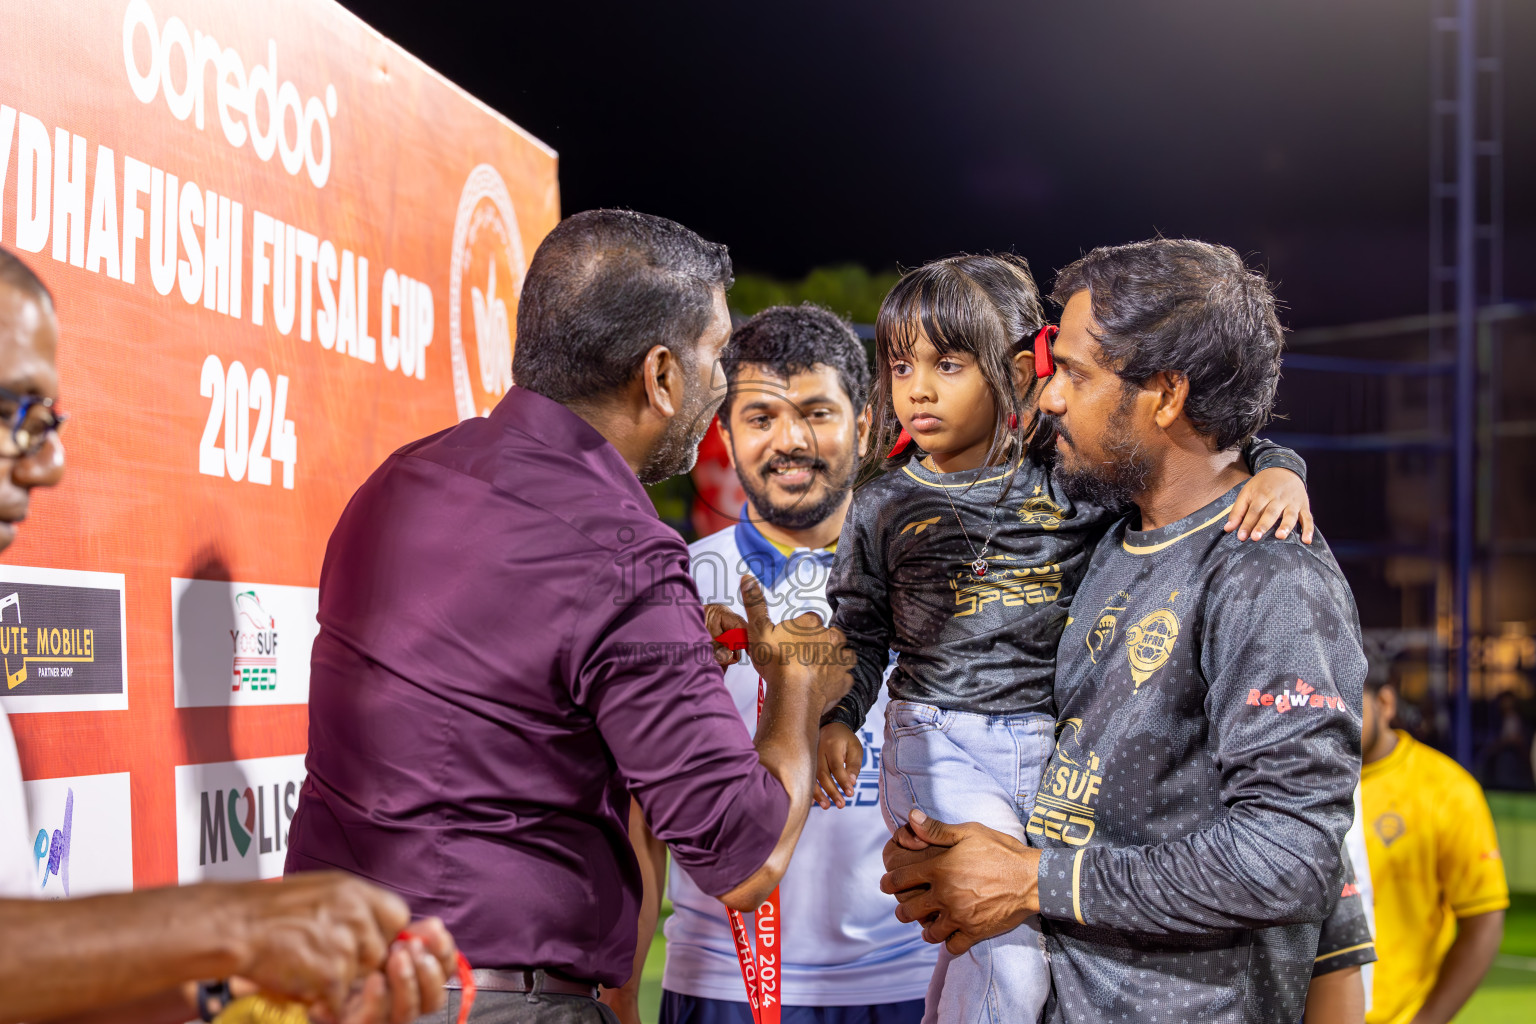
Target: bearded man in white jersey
<point>796,423</point>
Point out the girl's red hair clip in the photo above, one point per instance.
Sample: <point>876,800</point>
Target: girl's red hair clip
<point>1045,363</point>
<point>902,440</point>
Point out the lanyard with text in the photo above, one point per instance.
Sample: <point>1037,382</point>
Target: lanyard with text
<point>759,971</point>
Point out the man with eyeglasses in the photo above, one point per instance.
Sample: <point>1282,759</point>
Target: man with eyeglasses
<point>326,939</point>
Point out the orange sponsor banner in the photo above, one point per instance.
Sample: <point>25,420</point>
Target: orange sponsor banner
<point>280,248</point>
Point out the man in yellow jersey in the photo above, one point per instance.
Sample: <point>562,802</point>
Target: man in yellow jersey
<point>1440,888</point>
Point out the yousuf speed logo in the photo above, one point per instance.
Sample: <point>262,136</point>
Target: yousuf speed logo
<point>255,642</point>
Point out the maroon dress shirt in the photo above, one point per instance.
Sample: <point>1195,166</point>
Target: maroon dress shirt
<point>510,647</point>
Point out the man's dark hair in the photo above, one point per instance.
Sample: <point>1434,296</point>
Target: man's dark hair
<point>1187,307</point>
<point>792,339</point>
<point>18,275</point>
<point>603,288</point>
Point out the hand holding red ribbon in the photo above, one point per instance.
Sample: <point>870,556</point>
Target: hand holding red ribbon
<point>466,980</point>
<point>760,969</point>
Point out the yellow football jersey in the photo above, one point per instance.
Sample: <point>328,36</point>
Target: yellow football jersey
<point>1434,857</point>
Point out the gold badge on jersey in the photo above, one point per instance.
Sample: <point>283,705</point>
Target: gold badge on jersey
<point>1042,512</point>
<point>919,525</point>
<point>1103,632</point>
<point>1149,643</point>
<point>1390,828</point>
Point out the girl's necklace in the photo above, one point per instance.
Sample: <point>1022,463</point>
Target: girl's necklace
<point>979,559</point>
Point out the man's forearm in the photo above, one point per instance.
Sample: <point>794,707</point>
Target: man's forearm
<point>1462,970</point>
<point>66,956</point>
<point>651,853</point>
<point>865,679</point>
<point>1336,998</point>
<point>173,1006</point>
<point>786,745</point>
<point>1226,876</point>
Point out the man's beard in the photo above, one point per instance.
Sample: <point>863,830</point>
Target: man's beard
<point>1112,482</point>
<point>798,514</point>
<point>678,448</point>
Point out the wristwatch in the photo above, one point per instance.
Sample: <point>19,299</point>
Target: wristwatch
<point>212,998</point>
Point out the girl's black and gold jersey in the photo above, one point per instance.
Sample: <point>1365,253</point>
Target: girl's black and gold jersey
<point>903,581</point>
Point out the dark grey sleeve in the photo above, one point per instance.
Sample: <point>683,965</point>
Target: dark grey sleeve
<point>1261,455</point>
<point>1346,939</point>
<point>859,595</point>
<point>1282,659</point>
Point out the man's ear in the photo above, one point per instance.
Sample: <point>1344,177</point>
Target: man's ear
<point>725,435</point>
<point>1386,703</point>
<point>664,384</point>
<point>1172,392</point>
<point>862,429</point>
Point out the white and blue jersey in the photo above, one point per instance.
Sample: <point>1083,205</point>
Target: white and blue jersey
<point>842,943</point>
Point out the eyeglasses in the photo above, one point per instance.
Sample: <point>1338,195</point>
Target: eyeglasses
<point>31,420</point>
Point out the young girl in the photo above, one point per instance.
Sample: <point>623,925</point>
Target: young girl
<point>963,558</point>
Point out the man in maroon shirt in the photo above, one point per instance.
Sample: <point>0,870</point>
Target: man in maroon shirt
<point>511,647</point>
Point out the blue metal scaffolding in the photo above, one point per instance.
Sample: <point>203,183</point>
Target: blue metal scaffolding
<point>1465,296</point>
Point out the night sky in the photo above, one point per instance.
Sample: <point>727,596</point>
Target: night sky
<point>890,133</point>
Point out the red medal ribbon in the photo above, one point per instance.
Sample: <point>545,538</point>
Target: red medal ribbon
<point>760,970</point>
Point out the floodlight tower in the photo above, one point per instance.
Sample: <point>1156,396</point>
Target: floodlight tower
<point>1465,261</point>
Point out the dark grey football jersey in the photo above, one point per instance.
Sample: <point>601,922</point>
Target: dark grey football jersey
<point>1208,745</point>
<point>902,581</point>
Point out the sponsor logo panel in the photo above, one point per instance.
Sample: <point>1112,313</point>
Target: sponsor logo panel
<point>241,643</point>
<point>80,838</point>
<point>232,817</point>
<point>62,640</point>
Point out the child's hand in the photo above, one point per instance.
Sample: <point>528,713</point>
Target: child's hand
<point>839,756</point>
<point>1274,494</point>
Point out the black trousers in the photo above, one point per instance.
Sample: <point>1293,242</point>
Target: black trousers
<point>524,1008</point>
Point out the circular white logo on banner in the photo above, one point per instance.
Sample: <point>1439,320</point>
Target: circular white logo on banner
<point>488,257</point>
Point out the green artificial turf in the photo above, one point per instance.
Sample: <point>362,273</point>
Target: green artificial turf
<point>650,981</point>
<point>1507,995</point>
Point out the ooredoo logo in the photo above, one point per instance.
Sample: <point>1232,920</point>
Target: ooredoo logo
<point>257,105</point>
<point>488,254</point>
